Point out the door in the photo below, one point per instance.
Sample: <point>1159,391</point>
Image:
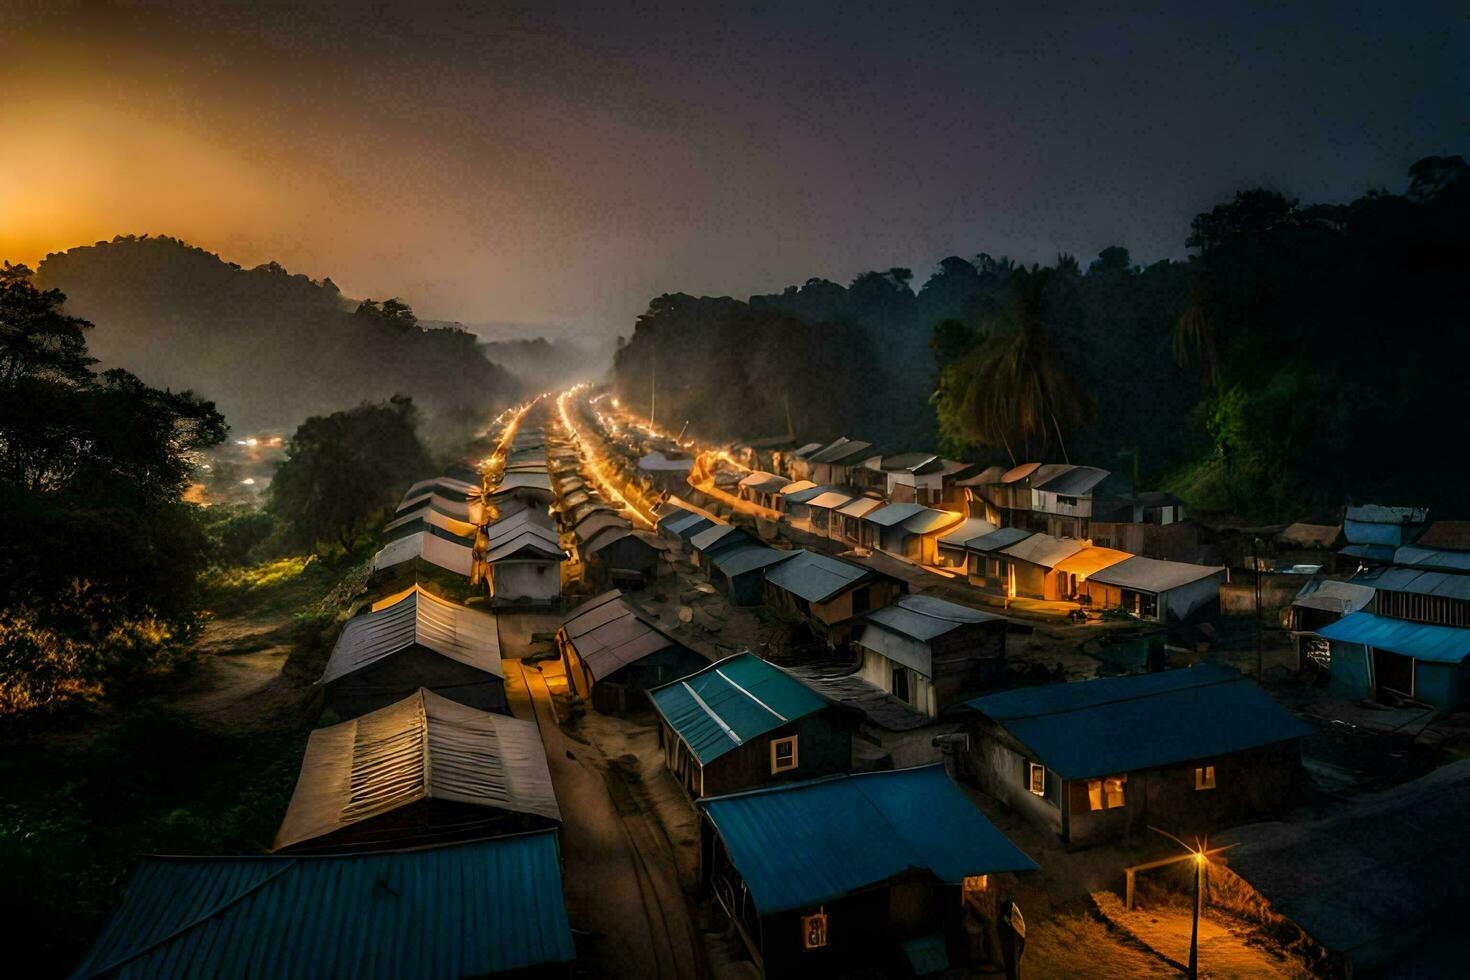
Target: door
<point>1393,673</point>
<point>901,684</point>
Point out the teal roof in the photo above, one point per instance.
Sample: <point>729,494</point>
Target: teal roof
<point>1141,721</point>
<point>802,844</point>
<point>486,907</point>
<point>1423,641</point>
<point>731,702</point>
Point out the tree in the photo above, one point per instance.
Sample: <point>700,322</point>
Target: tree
<point>343,472</point>
<point>390,313</point>
<point>1010,390</point>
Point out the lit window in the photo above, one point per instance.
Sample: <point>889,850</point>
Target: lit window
<point>814,930</point>
<point>1105,794</point>
<point>783,754</point>
<point>1204,777</point>
<point>975,885</point>
<point>1038,778</point>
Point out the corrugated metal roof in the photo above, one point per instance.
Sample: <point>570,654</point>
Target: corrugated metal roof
<point>597,522</point>
<point>1042,549</point>
<point>1117,725</point>
<point>802,844</point>
<point>806,450</point>
<point>1372,552</point>
<point>1091,559</point>
<point>464,510</point>
<point>925,617</point>
<point>1153,575</point>
<point>860,506</point>
<point>429,515</point>
<point>746,558</point>
<point>731,702</point>
<point>815,577</point>
<point>843,450</point>
<point>1003,538</point>
<point>987,476</point>
<point>800,486</point>
<point>711,536</point>
<point>762,480</point>
<point>688,527</point>
<point>910,462</point>
<point>609,632</point>
<point>422,619</point>
<point>893,514</point>
<point>829,499</point>
<point>1422,641</point>
<point>1072,481</point>
<point>524,481</point>
<point>966,531</point>
<point>805,494</point>
<point>1415,557</point>
<point>1333,596</point>
<point>929,520</point>
<point>423,747</point>
<point>448,484</point>
<point>428,547</point>
<point>473,909</point>
<point>1021,472</point>
<point>534,520</point>
<point>1422,582</point>
<point>527,545</point>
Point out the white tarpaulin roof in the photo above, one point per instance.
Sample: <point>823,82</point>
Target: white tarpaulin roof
<point>431,516</point>
<point>423,747</point>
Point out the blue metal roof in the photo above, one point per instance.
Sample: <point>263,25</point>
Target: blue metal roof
<point>802,844</point>
<point>731,702</point>
<point>746,557</point>
<point>1423,641</point>
<point>1141,721</point>
<point>1373,552</point>
<point>481,908</point>
<point>815,577</point>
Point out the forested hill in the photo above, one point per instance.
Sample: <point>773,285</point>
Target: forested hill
<point>1302,356</point>
<point>270,348</point>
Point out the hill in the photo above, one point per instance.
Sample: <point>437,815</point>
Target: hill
<point>269,347</point>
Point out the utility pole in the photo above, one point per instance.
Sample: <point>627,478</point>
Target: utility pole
<point>653,394</point>
<point>1256,556</point>
<point>1199,876</point>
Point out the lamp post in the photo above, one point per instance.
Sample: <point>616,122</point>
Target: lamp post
<point>1199,877</point>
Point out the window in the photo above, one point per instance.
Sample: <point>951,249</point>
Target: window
<point>783,754</point>
<point>1065,501</point>
<point>1106,794</point>
<point>814,930</point>
<point>975,885</point>
<point>861,600</point>
<point>1204,777</point>
<point>1036,774</point>
<point>901,683</point>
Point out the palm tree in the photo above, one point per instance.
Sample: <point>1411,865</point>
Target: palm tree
<point>1014,391</point>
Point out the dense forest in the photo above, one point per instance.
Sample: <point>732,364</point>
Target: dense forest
<point>1275,373</point>
<point>270,348</point>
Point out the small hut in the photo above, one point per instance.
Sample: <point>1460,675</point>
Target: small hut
<point>613,652</point>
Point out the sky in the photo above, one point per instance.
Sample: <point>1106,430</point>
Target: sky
<point>563,163</point>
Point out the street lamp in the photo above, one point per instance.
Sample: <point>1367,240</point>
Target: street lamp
<point>1199,858</point>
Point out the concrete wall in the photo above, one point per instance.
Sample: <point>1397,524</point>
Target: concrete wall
<point>878,670</point>
<point>526,581</point>
<point>1000,770</point>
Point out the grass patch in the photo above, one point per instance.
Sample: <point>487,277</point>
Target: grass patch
<point>270,586</point>
<point>74,819</point>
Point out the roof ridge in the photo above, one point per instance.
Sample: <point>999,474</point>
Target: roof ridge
<point>1118,700</point>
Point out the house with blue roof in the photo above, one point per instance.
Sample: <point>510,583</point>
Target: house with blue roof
<point>362,916</point>
<point>828,592</point>
<point>1411,644</point>
<point>1189,750</point>
<point>891,873</point>
<point>742,722</point>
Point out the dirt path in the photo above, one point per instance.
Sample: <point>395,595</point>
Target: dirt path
<point>621,881</point>
<point>238,684</point>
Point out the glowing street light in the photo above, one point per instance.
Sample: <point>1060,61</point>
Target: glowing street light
<point>1199,858</point>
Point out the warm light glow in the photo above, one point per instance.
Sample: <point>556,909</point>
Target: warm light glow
<point>594,469</point>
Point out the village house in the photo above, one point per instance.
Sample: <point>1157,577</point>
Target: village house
<point>449,486</point>
<point>1410,646</point>
<point>269,915</point>
<point>1030,562</point>
<point>762,489</point>
<point>988,567</point>
<point>923,478</point>
<point>407,759</point>
<point>974,488</point>
<point>909,530</point>
<point>1061,499</point>
<point>471,511</point>
<point>666,470</point>
<point>1069,574</point>
<point>413,640</point>
<point>821,512</point>
<point>613,653</point>
<point>846,525</point>
<point>422,557</point>
<point>1374,532</point>
<point>739,572</point>
<point>931,653</point>
<point>618,556</point>
<point>1157,591</point>
<point>797,491</point>
<point>827,592</point>
<point>430,521</point>
<point>835,462</point>
<point>1320,603</point>
<point>717,538</point>
<point>532,487</point>
<point>523,558</point>
<point>887,873</point>
<point>742,722</point>
<point>1191,750</point>
<point>952,548</point>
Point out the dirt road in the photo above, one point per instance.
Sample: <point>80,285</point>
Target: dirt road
<point>621,881</point>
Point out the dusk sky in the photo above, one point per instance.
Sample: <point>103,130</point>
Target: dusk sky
<point>563,163</point>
